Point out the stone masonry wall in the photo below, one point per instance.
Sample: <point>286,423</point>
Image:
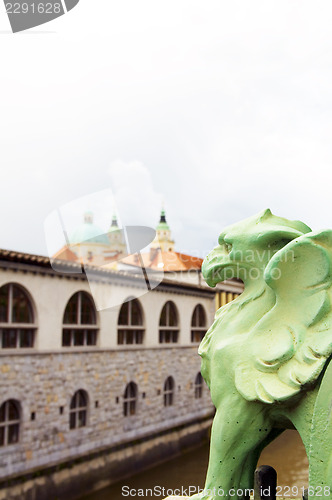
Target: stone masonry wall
<point>44,384</point>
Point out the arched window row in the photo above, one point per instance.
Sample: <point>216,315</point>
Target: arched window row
<point>11,414</point>
<point>79,325</point>
<point>130,397</point>
<point>131,325</point>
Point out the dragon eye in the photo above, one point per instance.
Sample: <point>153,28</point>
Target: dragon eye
<point>228,247</point>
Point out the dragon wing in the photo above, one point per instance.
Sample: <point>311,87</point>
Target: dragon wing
<point>289,346</point>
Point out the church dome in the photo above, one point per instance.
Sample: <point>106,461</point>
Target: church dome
<point>88,232</point>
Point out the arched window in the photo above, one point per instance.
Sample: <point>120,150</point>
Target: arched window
<point>130,399</point>
<point>80,319</point>
<point>169,391</point>
<point>9,422</point>
<point>17,328</point>
<point>168,324</point>
<point>78,411</point>
<point>198,324</point>
<point>130,323</point>
<point>198,386</point>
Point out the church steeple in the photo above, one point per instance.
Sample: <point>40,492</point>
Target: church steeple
<point>114,223</point>
<point>88,218</point>
<point>162,226</point>
<point>116,239</point>
<point>162,216</point>
<point>163,238</point>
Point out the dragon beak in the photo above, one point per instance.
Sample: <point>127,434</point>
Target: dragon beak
<point>213,265</point>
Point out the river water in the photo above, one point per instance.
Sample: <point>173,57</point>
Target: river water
<point>286,454</point>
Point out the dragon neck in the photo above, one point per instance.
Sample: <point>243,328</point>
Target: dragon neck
<point>253,291</point>
<point>252,295</point>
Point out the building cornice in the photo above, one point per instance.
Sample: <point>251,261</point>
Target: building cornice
<point>37,264</point>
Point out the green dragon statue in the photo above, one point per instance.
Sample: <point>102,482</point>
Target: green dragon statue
<point>266,356</point>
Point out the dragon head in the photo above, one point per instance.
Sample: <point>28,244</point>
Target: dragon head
<point>246,247</point>
<point>288,333</point>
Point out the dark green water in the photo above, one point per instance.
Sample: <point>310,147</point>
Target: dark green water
<point>286,455</point>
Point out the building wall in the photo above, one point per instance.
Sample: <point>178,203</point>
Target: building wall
<point>44,379</point>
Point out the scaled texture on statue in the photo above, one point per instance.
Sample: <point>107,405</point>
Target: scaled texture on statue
<point>265,356</point>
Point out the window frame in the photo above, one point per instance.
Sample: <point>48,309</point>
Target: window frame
<point>73,331</point>
<point>17,329</point>
<point>196,330</point>
<point>169,334</point>
<point>130,399</point>
<point>125,331</point>
<point>7,423</point>
<point>77,410</point>
<point>169,392</point>
<point>199,383</point>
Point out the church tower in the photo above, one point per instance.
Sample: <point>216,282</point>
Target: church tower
<point>163,238</point>
<point>117,245</point>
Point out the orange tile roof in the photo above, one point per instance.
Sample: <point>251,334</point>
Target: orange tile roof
<point>165,261</point>
<point>66,254</point>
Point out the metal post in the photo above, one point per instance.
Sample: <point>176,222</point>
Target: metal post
<point>265,483</point>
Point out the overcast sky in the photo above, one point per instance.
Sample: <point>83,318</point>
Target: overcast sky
<point>219,108</point>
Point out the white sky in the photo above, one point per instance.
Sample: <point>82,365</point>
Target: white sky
<point>219,108</point>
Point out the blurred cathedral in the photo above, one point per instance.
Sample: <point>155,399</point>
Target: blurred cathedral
<point>89,244</point>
